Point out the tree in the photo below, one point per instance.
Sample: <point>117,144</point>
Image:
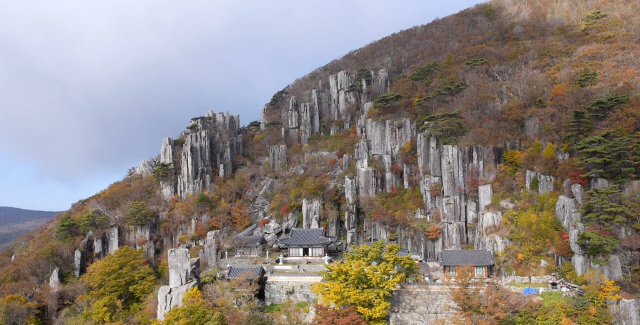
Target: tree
<point>118,283</point>
<point>481,305</point>
<point>607,208</point>
<point>66,229</point>
<point>610,154</point>
<point>139,214</point>
<point>365,279</point>
<point>344,316</point>
<point>194,311</point>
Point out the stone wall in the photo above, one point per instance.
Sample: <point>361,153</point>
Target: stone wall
<point>280,288</point>
<point>420,306</point>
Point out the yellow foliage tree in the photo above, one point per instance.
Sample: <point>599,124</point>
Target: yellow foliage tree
<point>118,283</point>
<point>365,280</point>
<point>194,311</point>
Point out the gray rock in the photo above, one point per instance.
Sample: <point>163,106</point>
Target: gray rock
<point>271,239</point>
<point>145,168</point>
<point>211,248</point>
<point>541,279</point>
<point>580,263</point>
<point>350,190</point>
<point>507,204</point>
<point>626,312</point>
<point>278,157</point>
<point>166,152</point>
<point>545,183</point>
<point>578,193</point>
<point>489,219</point>
<point>599,183</point>
<point>78,263</point>
<point>179,267</point>
<point>452,175</point>
<point>170,297</point>
<point>365,179</point>
<point>55,279</point>
<point>311,213</point>
<point>273,227</point>
<point>292,221</point>
<point>613,270</point>
<point>532,126</point>
<point>485,195</point>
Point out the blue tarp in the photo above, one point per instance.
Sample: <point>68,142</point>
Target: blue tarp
<point>531,291</point>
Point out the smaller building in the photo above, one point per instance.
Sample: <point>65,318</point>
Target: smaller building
<point>252,272</point>
<point>481,260</point>
<point>248,280</point>
<point>248,245</point>
<point>307,242</point>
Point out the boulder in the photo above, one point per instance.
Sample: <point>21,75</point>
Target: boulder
<point>507,204</point>
<point>271,239</point>
<point>292,221</point>
<point>273,227</point>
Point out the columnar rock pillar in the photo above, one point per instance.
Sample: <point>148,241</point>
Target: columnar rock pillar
<point>180,269</point>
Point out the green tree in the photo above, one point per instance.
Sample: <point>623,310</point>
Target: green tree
<point>607,208</point>
<point>610,154</point>
<point>66,228</point>
<point>118,283</point>
<point>194,311</point>
<point>139,214</point>
<point>447,127</point>
<point>366,280</point>
<point>92,220</point>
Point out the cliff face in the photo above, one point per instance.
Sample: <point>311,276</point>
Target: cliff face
<point>447,175</point>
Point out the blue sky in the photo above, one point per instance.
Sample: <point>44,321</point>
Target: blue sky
<point>90,88</point>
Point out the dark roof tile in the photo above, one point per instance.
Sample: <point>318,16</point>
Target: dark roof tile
<point>250,271</point>
<point>300,236</point>
<point>248,240</point>
<point>466,257</point>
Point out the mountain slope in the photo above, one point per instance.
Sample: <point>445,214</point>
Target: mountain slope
<point>496,128</point>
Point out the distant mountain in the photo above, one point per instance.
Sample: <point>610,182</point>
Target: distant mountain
<point>15,222</point>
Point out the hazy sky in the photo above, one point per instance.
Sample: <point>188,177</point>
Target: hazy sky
<point>88,89</point>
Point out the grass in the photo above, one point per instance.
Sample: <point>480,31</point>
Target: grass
<point>272,308</point>
<point>551,298</point>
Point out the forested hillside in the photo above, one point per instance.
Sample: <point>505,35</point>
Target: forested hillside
<point>15,222</point>
<point>511,126</point>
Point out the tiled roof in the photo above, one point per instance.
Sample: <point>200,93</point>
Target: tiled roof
<point>300,236</point>
<point>248,240</point>
<point>250,271</point>
<point>466,257</point>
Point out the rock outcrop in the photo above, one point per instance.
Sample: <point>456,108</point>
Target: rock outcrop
<point>208,149</point>
<point>568,213</point>
<point>181,268</point>
<point>626,311</point>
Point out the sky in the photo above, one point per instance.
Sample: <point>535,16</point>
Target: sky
<point>88,89</point>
